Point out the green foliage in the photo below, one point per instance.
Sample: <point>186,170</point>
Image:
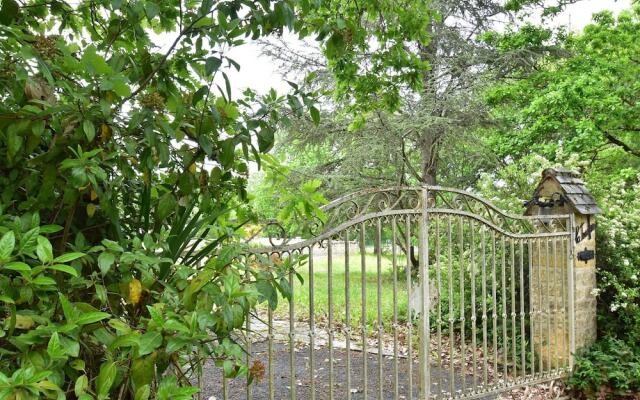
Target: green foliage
<point>610,369</point>
<point>123,184</point>
<point>104,320</point>
<point>586,100</point>
<point>580,110</point>
<point>393,25</point>
<point>275,198</point>
<point>619,258</point>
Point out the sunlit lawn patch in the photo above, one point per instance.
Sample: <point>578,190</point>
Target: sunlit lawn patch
<point>302,292</point>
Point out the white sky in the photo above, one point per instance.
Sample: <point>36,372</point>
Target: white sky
<point>260,73</point>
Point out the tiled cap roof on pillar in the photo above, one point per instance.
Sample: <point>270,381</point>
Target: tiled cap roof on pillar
<point>575,191</point>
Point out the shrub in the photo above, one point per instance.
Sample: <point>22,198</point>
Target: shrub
<point>105,319</point>
<point>608,369</point>
<point>619,259</point>
<point>122,186</point>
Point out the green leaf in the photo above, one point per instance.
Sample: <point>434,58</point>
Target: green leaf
<point>29,240</point>
<point>50,228</point>
<point>7,299</point>
<point>265,140</point>
<point>9,11</point>
<point>315,115</point>
<point>54,349</point>
<point>212,64</point>
<point>105,261</point>
<point>149,342</point>
<point>92,317</point>
<point>44,250</point>
<point>101,294</point>
<point>105,380</point>
<point>64,268</point>
<point>152,9</point>
<point>177,326</point>
<point>121,88</point>
<point>78,365</point>
<point>71,347</point>
<point>111,245</point>
<point>227,85</point>
<point>195,286</point>
<point>268,291</point>
<point>94,62</point>
<point>82,383</point>
<point>7,243</point>
<point>227,152</point>
<point>119,326</point>
<point>174,344</point>
<point>142,372</point>
<point>142,393</point>
<point>199,94</point>
<point>18,266</point>
<point>119,83</point>
<point>166,206</point>
<point>89,130</point>
<point>69,311</point>
<point>68,257</point>
<point>44,281</point>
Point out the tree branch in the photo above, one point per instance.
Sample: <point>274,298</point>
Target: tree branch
<point>163,60</point>
<point>614,140</point>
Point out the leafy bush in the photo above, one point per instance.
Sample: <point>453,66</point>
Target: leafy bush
<point>619,259</point>
<point>117,241</point>
<point>610,369</point>
<point>105,319</point>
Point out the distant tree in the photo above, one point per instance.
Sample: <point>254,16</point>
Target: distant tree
<point>585,101</point>
<point>437,125</point>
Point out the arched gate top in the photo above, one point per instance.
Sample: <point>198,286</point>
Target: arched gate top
<point>363,205</point>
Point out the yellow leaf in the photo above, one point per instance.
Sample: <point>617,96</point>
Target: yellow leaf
<point>275,259</point>
<point>192,168</point>
<point>105,132</point>
<point>24,322</point>
<point>135,290</point>
<point>91,209</point>
<point>94,195</point>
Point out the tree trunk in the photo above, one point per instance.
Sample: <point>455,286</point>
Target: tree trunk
<point>430,147</point>
<point>430,137</point>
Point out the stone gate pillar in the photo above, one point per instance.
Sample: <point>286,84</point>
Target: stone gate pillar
<point>562,191</point>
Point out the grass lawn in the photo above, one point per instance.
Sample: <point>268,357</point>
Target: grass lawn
<point>321,291</point>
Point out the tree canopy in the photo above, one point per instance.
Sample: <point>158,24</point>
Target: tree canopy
<point>586,100</point>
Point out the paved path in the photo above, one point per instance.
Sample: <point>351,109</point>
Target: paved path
<point>212,387</point>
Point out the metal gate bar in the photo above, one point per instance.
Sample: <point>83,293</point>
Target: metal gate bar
<point>409,323</point>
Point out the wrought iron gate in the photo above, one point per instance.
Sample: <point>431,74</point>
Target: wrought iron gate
<point>417,293</point>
